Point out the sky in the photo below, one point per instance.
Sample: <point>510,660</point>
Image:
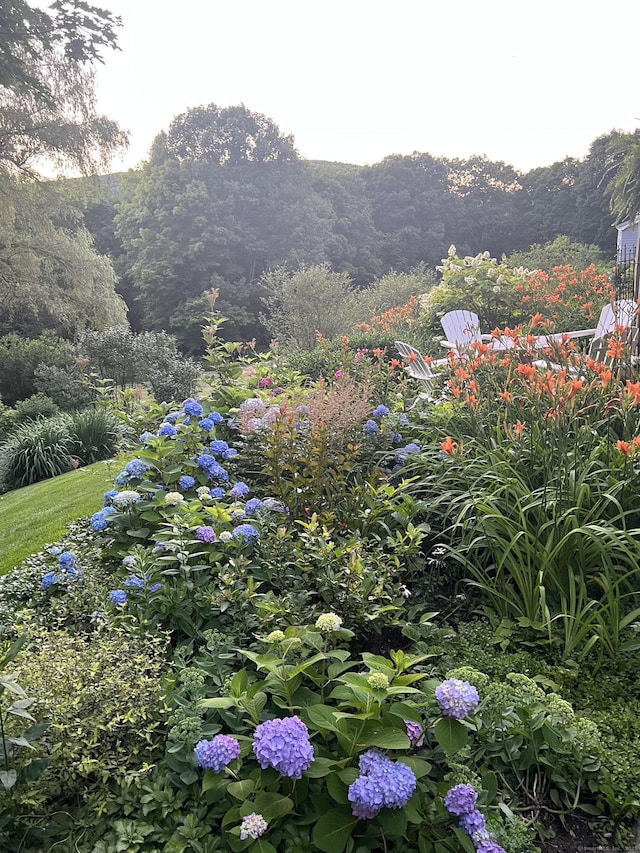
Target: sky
<point>356,80</point>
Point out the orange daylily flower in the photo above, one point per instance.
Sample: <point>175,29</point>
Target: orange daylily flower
<point>378,352</point>
<point>526,370</point>
<point>449,446</point>
<point>576,385</point>
<point>605,377</point>
<point>535,320</point>
<point>411,357</point>
<point>623,447</point>
<point>395,363</point>
<point>519,427</point>
<point>636,441</point>
<point>506,396</point>
<point>633,390</point>
<point>616,348</point>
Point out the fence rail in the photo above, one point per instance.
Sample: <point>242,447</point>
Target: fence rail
<point>624,275</point>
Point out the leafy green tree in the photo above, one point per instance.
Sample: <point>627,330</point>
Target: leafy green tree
<point>50,274</point>
<point>306,302</point>
<point>411,208</point>
<point>27,34</point>
<point>215,221</point>
<point>20,358</point>
<point>624,186</point>
<point>484,194</point>
<point>559,252</point>
<point>546,207</point>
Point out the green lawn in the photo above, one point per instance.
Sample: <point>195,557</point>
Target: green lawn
<point>35,515</point>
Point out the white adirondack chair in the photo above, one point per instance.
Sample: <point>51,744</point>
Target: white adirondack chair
<point>419,369</point>
<point>462,330</point>
<point>619,314</point>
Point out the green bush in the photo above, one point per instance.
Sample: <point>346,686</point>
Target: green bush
<point>102,695</point>
<point>64,386</point>
<point>36,451</point>
<point>95,434</point>
<point>21,356</point>
<point>36,406</point>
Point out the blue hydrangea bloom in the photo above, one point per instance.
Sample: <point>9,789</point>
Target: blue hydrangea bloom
<point>379,412</point>
<point>274,505</point>
<point>54,551</point>
<point>155,587</point>
<point>382,783</point>
<point>168,430</point>
<point>461,799</point>
<point>230,453</point>
<point>66,559</point>
<point>206,424</point>
<point>172,417</point>
<point>218,447</point>
<point>239,490</point>
<point>370,427</point>
<point>122,478</point>
<point>135,581</point>
<point>472,822</point>
<point>136,468</point>
<point>119,597</point>
<point>247,531</point>
<point>217,492</point>
<point>215,754</point>
<point>108,496</point>
<point>100,519</point>
<point>284,745</point>
<point>252,506</point>
<point>212,467</point>
<point>192,407</point>
<point>216,417</point>
<point>490,847</point>
<point>145,436</point>
<point>129,561</point>
<point>186,482</point>
<point>48,580</point>
<point>457,698</point>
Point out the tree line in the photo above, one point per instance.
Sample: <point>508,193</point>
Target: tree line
<point>224,197</point>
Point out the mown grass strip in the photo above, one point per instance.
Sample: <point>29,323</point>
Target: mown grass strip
<point>35,515</point>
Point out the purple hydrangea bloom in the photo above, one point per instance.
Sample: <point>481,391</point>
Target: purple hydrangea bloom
<point>382,783</point>
<point>247,531</point>
<point>217,492</point>
<point>48,580</point>
<point>370,427</point>
<point>284,745</point>
<point>206,424</point>
<point>461,799</point>
<point>155,587</point>
<point>414,733</point>
<point>239,490</point>
<point>252,506</point>
<point>472,822</point>
<point>379,412</point>
<point>129,561</point>
<point>168,430</point>
<point>119,597</point>
<point>136,468</point>
<point>192,407</point>
<point>491,847</point>
<point>186,482</point>
<point>457,698</point>
<point>206,533</point>
<point>215,754</point>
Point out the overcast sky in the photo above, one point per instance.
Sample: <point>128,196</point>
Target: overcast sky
<point>356,80</point>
